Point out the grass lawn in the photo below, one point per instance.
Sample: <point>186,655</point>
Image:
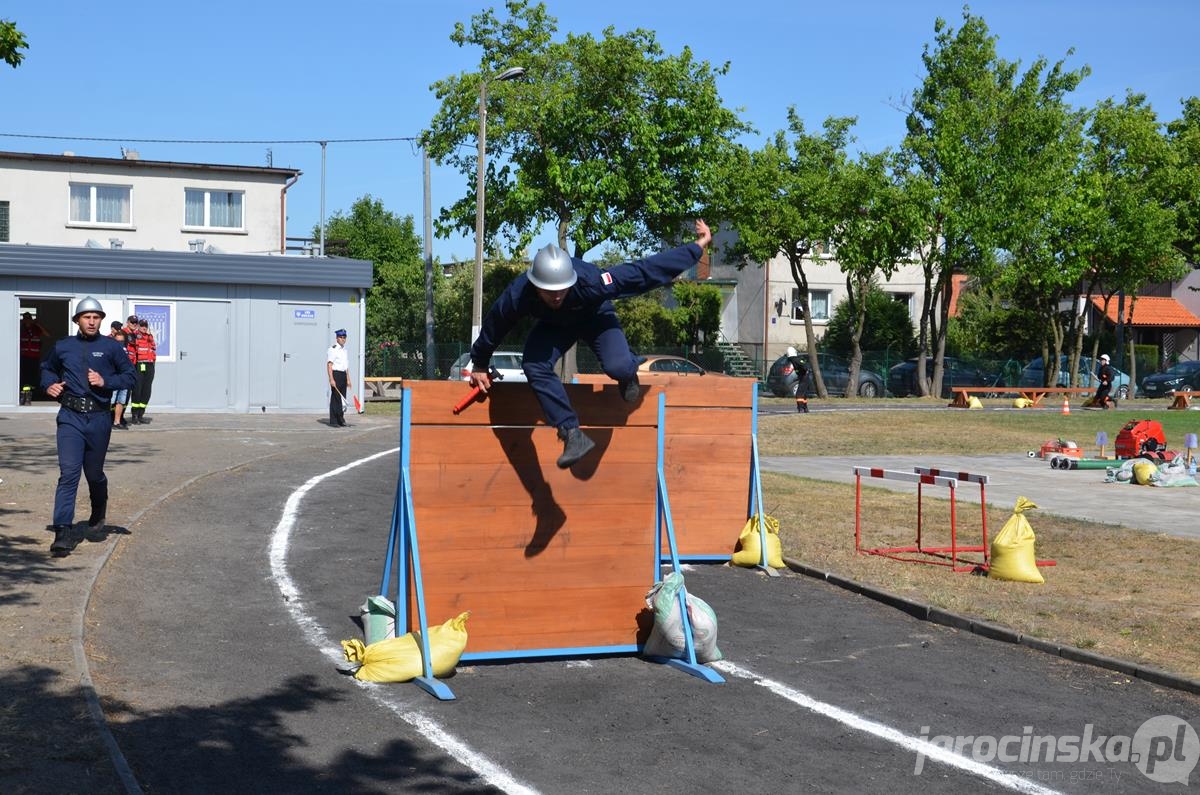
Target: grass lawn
<point>1116,591</point>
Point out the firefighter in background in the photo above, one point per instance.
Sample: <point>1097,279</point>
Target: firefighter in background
<point>146,355</point>
<point>801,370</point>
<point>1105,377</point>
<point>31,355</point>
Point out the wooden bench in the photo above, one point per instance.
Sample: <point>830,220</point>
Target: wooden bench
<point>1034,394</point>
<point>380,385</point>
<point>1181,398</point>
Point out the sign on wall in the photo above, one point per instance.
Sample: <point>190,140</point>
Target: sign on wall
<point>161,317</point>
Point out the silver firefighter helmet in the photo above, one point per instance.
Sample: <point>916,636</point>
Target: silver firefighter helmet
<point>552,269</point>
<point>88,304</point>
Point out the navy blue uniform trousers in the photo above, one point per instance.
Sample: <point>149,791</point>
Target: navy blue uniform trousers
<point>548,342</point>
<point>82,447</point>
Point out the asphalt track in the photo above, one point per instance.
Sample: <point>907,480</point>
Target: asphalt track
<point>213,643</point>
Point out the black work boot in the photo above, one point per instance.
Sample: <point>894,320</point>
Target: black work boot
<point>61,545</point>
<point>575,446</point>
<point>96,521</point>
<point>630,390</point>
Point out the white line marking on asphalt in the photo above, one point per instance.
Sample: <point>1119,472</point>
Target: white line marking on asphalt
<point>908,742</point>
<point>292,598</point>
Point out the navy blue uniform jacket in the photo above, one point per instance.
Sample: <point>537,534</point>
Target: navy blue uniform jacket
<point>592,294</point>
<point>73,356</point>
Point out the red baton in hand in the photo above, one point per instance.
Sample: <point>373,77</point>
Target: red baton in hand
<point>477,394</point>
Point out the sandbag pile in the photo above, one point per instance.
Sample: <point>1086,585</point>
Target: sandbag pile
<point>399,659</point>
<point>667,638</point>
<point>750,543</point>
<point>1144,472</point>
<point>1013,556</point>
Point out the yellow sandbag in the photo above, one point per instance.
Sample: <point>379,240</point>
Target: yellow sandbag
<point>399,659</point>
<point>750,551</point>
<point>1145,472</point>
<point>1022,403</point>
<point>974,403</point>
<point>1013,556</point>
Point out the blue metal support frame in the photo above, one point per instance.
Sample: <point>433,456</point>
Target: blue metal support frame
<point>662,510</point>
<point>755,498</point>
<point>402,550</point>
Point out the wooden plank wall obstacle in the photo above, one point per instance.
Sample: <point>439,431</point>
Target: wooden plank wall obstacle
<point>709,465</point>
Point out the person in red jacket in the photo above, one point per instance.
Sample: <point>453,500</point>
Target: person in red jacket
<point>31,355</point>
<point>146,355</point>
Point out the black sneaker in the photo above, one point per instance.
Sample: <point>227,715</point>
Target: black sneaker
<point>576,445</point>
<point>61,545</point>
<point>96,520</point>
<point>630,390</point>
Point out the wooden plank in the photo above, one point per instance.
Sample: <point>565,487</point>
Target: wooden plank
<point>515,404</point>
<point>513,621</point>
<point>682,390</point>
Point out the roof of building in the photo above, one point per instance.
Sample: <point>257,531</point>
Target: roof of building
<point>182,266</point>
<point>136,162</point>
<point>1151,311</point>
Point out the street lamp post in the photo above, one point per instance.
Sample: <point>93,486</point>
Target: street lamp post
<point>481,163</point>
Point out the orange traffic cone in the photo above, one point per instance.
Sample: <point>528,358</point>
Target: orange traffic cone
<point>1066,406</point>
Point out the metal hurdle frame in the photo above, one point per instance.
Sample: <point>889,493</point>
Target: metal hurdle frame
<point>925,476</point>
<point>403,554</point>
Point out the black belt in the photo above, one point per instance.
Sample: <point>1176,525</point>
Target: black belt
<point>83,405</point>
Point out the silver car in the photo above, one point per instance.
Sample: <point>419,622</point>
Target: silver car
<point>507,362</point>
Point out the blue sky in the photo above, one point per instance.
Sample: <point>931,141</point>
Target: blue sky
<point>302,70</point>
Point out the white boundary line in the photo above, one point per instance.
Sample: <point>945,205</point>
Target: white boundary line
<point>293,600</point>
<point>497,776</point>
<point>916,745</point>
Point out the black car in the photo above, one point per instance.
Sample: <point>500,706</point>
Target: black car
<point>902,378</point>
<point>1182,375</point>
<point>782,380</point>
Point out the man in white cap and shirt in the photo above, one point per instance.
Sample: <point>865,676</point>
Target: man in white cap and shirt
<point>337,367</point>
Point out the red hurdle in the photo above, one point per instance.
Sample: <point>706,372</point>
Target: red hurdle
<point>926,476</point>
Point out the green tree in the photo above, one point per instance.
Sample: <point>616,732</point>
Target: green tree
<point>988,146</point>
<point>782,200</point>
<point>1182,191</point>
<point>881,226</point>
<point>696,317</point>
<point>646,322</point>
<point>1130,240</point>
<point>12,41</point>
<point>607,139</point>
<point>396,300</point>
<point>888,326</point>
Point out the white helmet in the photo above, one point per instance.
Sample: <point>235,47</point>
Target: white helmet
<point>552,269</point>
<point>1104,358</point>
<point>88,304</point>
<point>792,351</point>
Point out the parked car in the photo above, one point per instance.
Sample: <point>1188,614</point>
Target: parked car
<point>902,378</point>
<point>507,362</point>
<point>783,382</point>
<point>657,364</point>
<point>1182,375</point>
<point>1033,375</point>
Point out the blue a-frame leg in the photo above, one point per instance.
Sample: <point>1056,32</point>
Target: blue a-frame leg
<point>687,664</point>
<point>756,500</point>
<point>402,549</point>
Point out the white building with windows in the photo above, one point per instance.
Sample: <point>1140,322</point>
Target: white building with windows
<point>185,245</point>
<point>762,310</point>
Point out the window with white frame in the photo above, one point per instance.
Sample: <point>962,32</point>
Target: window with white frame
<point>3,222</point>
<point>212,209</point>
<point>107,205</point>
<point>818,304</point>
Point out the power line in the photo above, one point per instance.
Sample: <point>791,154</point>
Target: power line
<point>208,141</point>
